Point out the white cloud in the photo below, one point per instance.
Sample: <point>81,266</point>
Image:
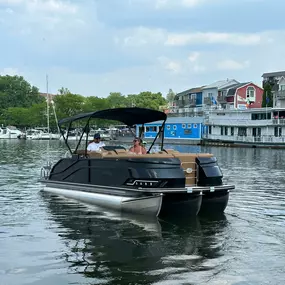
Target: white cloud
<point>9,71</point>
<point>231,64</point>
<point>199,68</point>
<point>213,38</point>
<point>143,36</point>
<point>167,4</point>
<point>194,56</point>
<point>60,6</point>
<point>51,6</point>
<point>148,36</point>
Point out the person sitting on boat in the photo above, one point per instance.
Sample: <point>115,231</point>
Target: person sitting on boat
<point>137,147</point>
<point>97,144</point>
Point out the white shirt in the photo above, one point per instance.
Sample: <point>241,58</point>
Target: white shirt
<point>95,146</point>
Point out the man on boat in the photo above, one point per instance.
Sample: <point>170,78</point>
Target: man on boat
<point>96,145</point>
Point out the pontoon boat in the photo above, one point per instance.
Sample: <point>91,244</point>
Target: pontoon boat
<point>158,183</point>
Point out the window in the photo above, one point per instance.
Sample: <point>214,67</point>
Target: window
<point>174,127</point>
<point>187,132</point>
<point>250,94</point>
<point>195,126</point>
<point>210,95</point>
<point>242,131</point>
<point>282,87</point>
<point>168,127</point>
<point>232,131</point>
<point>150,129</point>
<point>189,126</point>
<point>183,126</point>
<point>210,130</point>
<point>226,131</point>
<point>260,116</point>
<point>222,131</point>
<point>278,132</point>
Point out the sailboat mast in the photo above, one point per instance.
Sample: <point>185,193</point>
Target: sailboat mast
<point>47,104</point>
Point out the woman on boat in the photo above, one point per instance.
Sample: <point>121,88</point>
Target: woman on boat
<point>137,147</point>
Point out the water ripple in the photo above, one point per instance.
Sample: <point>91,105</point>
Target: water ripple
<point>50,240</point>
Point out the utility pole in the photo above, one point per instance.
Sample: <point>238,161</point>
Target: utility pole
<point>47,95</point>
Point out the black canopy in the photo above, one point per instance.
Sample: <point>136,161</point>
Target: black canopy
<point>128,116</point>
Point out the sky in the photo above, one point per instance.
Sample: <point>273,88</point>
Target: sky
<point>94,47</point>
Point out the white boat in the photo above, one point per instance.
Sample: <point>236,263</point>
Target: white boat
<point>9,132</point>
<point>74,136</point>
<point>259,127</point>
<point>40,134</point>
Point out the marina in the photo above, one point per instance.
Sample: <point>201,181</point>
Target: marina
<point>47,239</point>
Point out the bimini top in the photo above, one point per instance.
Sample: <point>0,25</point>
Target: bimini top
<point>128,116</point>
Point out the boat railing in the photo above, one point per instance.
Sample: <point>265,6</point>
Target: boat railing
<point>45,171</point>
<point>251,139</point>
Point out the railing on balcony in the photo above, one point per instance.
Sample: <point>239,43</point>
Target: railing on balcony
<point>280,94</point>
<point>221,99</point>
<point>207,101</point>
<point>248,139</point>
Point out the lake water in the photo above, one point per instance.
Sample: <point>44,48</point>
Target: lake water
<point>47,240</point>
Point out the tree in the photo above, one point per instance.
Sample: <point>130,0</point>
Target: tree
<point>64,91</point>
<point>68,105</point>
<point>15,91</point>
<point>116,100</point>
<point>170,97</point>
<point>267,97</point>
<point>94,103</point>
<point>146,99</point>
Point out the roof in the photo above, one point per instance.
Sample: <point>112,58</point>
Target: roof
<point>190,91</point>
<point>220,83</point>
<point>180,120</point>
<point>128,116</point>
<point>232,90</point>
<point>273,74</point>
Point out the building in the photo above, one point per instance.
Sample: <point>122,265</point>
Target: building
<point>190,98</point>
<point>273,78</point>
<point>240,96</point>
<point>189,129</point>
<point>186,102</point>
<point>253,127</point>
<point>277,82</point>
<point>210,92</point>
<point>51,96</point>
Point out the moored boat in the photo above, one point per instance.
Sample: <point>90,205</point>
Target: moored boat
<point>161,183</point>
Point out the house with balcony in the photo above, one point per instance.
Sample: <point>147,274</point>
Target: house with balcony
<point>277,83</point>
<point>187,102</point>
<point>240,96</point>
<point>210,92</point>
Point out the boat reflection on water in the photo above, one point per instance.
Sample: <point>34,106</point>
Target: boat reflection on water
<point>110,249</point>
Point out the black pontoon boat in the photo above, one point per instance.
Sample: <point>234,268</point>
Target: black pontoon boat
<point>158,183</point>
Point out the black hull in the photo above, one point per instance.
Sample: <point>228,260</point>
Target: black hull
<point>181,204</point>
<point>142,177</point>
<point>214,202</point>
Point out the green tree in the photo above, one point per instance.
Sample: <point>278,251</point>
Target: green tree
<point>146,100</point>
<point>68,105</point>
<point>267,97</point>
<point>64,91</point>
<point>116,100</point>
<point>94,103</point>
<point>170,97</point>
<point>15,91</point>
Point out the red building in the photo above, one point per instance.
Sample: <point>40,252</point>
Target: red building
<point>244,95</point>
